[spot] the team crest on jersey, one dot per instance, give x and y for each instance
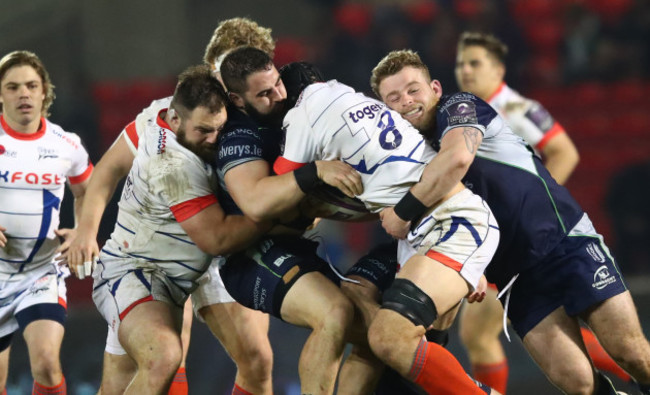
(603, 278)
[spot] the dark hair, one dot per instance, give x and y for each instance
(296, 77)
(26, 58)
(240, 63)
(197, 87)
(491, 43)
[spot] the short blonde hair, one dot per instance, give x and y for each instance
(26, 58)
(237, 32)
(394, 62)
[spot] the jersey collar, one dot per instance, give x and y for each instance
(23, 136)
(499, 89)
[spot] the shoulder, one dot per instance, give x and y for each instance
(57, 135)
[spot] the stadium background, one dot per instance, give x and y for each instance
(587, 61)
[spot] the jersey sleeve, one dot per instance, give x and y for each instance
(239, 146)
(464, 109)
(183, 182)
(300, 146)
(532, 122)
(130, 134)
(81, 168)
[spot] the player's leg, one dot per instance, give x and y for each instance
(150, 334)
(117, 372)
(616, 325)
(316, 302)
(399, 341)
(41, 314)
(599, 356)
(480, 325)
(243, 332)
(179, 383)
(43, 338)
(5, 350)
(244, 335)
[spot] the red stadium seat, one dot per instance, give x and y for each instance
(353, 18)
(423, 11)
(289, 49)
(628, 92)
(524, 10)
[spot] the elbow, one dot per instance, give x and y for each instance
(462, 161)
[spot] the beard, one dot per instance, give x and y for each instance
(206, 152)
(272, 119)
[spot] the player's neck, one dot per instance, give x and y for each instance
(494, 91)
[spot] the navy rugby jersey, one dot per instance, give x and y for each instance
(242, 140)
(534, 212)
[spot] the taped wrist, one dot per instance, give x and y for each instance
(306, 177)
(410, 208)
(410, 301)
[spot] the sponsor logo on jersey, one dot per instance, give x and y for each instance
(162, 141)
(595, 253)
(239, 150)
(278, 262)
(7, 153)
(47, 153)
(259, 295)
(364, 110)
(540, 117)
(603, 278)
(65, 138)
(31, 178)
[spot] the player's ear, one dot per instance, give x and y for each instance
(237, 100)
(436, 87)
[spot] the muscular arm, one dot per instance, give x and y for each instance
(262, 196)
(216, 233)
(560, 157)
(258, 194)
(442, 175)
(112, 167)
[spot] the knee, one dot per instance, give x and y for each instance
(45, 364)
(383, 339)
(256, 359)
(338, 317)
(579, 380)
(162, 363)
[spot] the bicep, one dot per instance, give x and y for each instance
(117, 161)
(195, 226)
(242, 180)
(464, 140)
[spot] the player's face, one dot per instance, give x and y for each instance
(199, 131)
(264, 99)
(410, 93)
(478, 72)
(22, 94)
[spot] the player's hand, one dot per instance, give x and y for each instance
(394, 225)
(80, 253)
(3, 238)
(340, 175)
(479, 293)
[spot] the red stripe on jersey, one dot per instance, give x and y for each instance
(492, 286)
(22, 136)
(63, 303)
(555, 130)
(83, 176)
(132, 134)
(445, 260)
(496, 92)
(185, 210)
(283, 165)
(160, 119)
(137, 302)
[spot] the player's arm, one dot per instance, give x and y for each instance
(216, 233)
(261, 196)
(3, 238)
(112, 167)
(440, 177)
(560, 157)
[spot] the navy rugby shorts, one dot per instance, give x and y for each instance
(578, 274)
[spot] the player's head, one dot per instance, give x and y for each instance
(254, 84)
(198, 110)
(403, 82)
(296, 76)
(480, 63)
(26, 92)
(233, 33)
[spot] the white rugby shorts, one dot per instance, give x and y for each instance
(26, 290)
(211, 289)
(461, 233)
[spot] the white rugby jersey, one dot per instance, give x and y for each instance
(167, 184)
(33, 171)
(332, 121)
(527, 118)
